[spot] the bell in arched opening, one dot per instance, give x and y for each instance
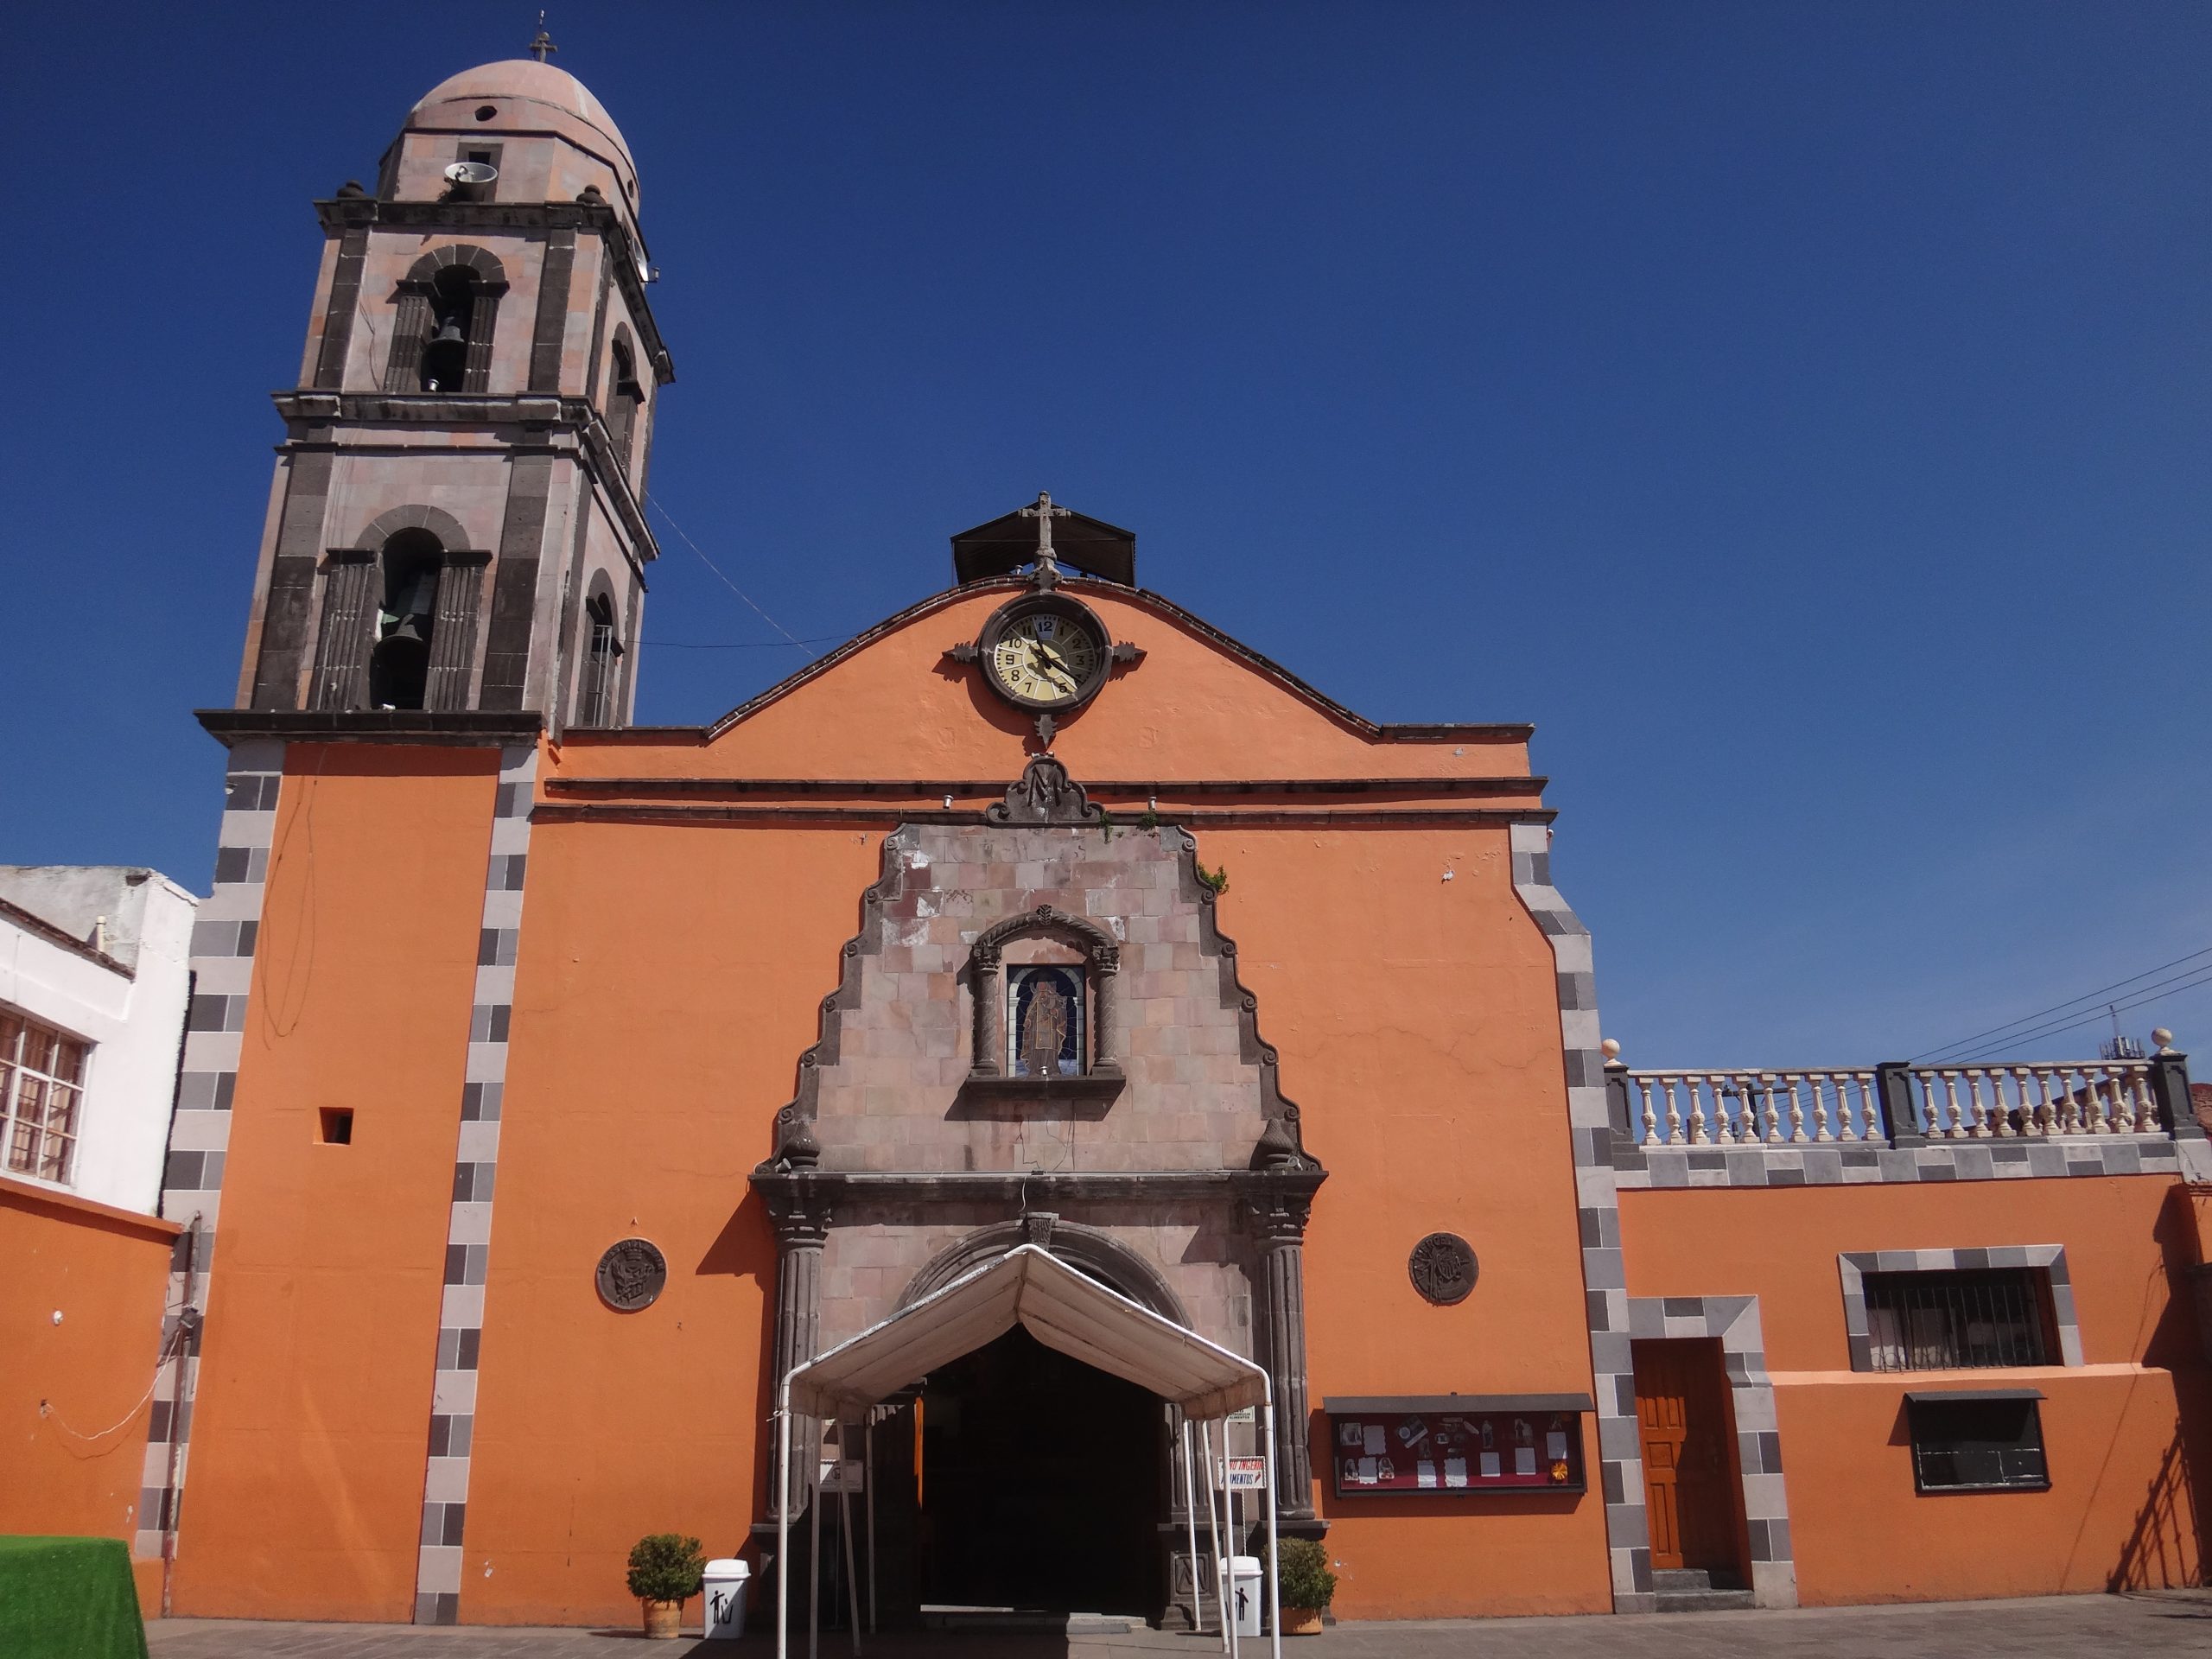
(399, 666)
(445, 353)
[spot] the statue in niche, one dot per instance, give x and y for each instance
(1047, 1024)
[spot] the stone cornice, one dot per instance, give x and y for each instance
(807, 1188)
(546, 410)
(470, 728)
(353, 213)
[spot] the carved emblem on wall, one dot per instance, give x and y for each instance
(632, 1272)
(1443, 1268)
(1044, 794)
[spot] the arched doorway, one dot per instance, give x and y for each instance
(1039, 1484)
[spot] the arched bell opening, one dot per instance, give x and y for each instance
(399, 664)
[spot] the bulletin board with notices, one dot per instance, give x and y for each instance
(1460, 1443)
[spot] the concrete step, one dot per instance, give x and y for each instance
(1704, 1601)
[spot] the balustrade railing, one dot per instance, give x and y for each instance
(1810, 1106)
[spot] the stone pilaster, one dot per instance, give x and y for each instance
(802, 1220)
(1279, 1219)
(983, 981)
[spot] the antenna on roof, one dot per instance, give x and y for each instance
(541, 45)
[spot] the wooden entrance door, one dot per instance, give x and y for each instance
(1682, 1405)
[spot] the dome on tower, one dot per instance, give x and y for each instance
(519, 94)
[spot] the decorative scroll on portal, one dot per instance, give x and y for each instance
(632, 1272)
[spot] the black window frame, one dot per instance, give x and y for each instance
(1935, 1442)
(2020, 1295)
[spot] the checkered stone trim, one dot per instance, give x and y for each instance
(1620, 1451)
(224, 938)
(468, 1232)
(1735, 1321)
(1853, 1267)
(1844, 1165)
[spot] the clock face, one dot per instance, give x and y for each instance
(1047, 658)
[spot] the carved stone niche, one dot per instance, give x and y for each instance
(1050, 937)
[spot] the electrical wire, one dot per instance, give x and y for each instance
(2102, 991)
(654, 501)
(2159, 993)
(737, 645)
(169, 1350)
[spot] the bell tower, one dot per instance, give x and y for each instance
(457, 524)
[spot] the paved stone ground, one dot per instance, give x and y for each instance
(2060, 1627)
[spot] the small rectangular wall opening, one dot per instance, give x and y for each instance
(336, 1125)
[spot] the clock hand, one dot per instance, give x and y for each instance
(1047, 670)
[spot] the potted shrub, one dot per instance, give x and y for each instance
(1304, 1583)
(666, 1570)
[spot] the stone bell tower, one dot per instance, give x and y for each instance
(458, 518)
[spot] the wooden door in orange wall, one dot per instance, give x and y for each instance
(1681, 1407)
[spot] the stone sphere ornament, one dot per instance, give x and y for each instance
(1443, 1268)
(632, 1272)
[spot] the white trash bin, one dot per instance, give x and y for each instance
(1245, 1594)
(725, 1595)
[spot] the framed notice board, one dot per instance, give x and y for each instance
(1456, 1445)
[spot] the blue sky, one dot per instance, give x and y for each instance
(1800, 413)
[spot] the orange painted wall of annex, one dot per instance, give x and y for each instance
(2121, 1511)
(305, 1491)
(105, 1271)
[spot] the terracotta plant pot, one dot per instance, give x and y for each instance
(663, 1619)
(1301, 1621)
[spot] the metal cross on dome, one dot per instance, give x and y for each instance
(541, 45)
(1048, 563)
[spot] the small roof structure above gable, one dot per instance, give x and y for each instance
(1082, 542)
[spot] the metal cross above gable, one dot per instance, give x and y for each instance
(1048, 563)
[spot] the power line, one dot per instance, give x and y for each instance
(654, 501)
(2059, 1007)
(737, 644)
(2187, 982)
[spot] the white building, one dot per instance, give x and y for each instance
(94, 980)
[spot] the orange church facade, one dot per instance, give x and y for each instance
(556, 1082)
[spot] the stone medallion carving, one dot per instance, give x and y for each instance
(632, 1272)
(1443, 1268)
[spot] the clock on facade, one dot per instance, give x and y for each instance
(1044, 652)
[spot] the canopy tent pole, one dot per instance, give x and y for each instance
(1191, 1516)
(784, 1519)
(1225, 1565)
(845, 1531)
(868, 1478)
(1274, 1574)
(814, 1560)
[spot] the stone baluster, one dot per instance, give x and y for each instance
(1957, 1128)
(1849, 1131)
(1767, 1081)
(1650, 1118)
(1814, 1080)
(1697, 1136)
(1725, 1115)
(1278, 1217)
(2035, 1110)
(2123, 1099)
(2100, 1121)
(1674, 1115)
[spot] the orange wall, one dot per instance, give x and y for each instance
(305, 1489)
(2120, 1509)
(1418, 1023)
(669, 980)
(106, 1272)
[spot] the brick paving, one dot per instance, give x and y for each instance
(2059, 1627)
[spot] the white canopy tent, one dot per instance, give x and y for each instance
(1063, 1309)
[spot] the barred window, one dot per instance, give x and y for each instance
(42, 1092)
(1945, 1321)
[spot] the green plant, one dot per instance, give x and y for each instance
(1217, 880)
(1303, 1579)
(1106, 823)
(1149, 818)
(666, 1567)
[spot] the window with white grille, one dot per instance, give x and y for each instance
(41, 1094)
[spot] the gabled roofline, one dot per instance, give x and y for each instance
(1442, 731)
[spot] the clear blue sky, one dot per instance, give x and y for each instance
(1800, 412)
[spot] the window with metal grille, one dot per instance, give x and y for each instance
(1943, 1321)
(1977, 1442)
(42, 1094)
